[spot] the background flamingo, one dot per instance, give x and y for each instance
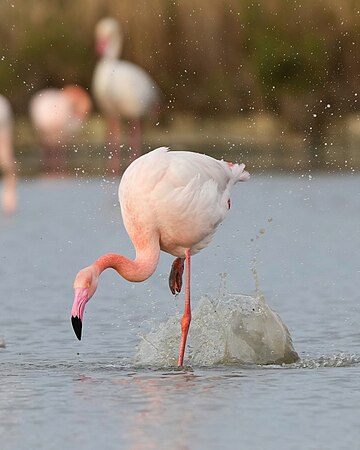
(56, 115)
(121, 89)
(7, 163)
(170, 201)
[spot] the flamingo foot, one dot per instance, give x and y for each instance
(175, 277)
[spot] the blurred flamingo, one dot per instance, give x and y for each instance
(7, 163)
(170, 201)
(57, 114)
(121, 89)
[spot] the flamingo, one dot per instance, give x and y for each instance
(7, 163)
(56, 115)
(121, 89)
(171, 201)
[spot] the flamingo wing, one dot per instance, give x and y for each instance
(183, 195)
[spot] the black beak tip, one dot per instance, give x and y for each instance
(77, 326)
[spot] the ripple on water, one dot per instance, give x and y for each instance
(338, 360)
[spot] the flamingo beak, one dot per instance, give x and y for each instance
(77, 326)
(81, 297)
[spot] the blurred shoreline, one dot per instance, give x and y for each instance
(263, 142)
(272, 83)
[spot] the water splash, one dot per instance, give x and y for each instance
(225, 329)
(338, 360)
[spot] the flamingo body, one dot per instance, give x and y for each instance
(180, 196)
(123, 89)
(6, 117)
(7, 163)
(57, 114)
(171, 201)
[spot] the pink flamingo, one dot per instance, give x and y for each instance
(121, 89)
(7, 163)
(56, 115)
(171, 201)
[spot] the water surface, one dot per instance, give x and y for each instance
(59, 393)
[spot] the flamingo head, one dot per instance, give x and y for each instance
(85, 285)
(108, 38)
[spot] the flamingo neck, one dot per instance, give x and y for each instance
(139, 269)
(113, 50)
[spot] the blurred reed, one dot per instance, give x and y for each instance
(298, 60)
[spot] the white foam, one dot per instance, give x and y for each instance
(225, 329)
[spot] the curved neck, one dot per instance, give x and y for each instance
(113, 48)
(139, 269)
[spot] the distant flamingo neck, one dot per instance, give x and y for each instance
(132, 270)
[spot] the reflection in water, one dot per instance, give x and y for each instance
(118, 406)
(160, 410)
(152, 402)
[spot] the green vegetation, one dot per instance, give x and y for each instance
(296, 59)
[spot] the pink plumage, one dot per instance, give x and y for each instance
(7, 163)
(58, 114)
(183, 194)
(171, 201)
(122, 90)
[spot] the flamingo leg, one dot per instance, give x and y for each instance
(186, 319)
(54, 159)
(9, 193)
(114, 131)
(135, 139)
(175, 277)
(7, 166)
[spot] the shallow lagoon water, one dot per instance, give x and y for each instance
(59, 393)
